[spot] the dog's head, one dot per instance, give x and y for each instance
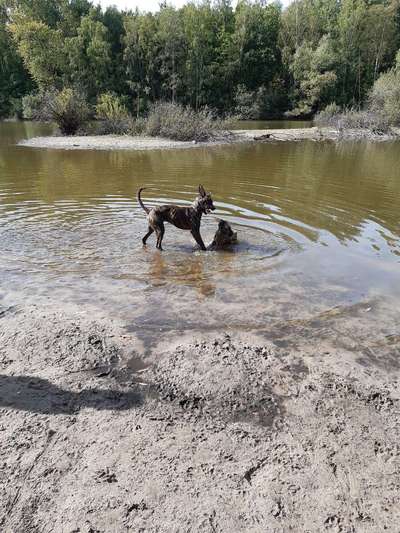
(204, 201)
(224, 235)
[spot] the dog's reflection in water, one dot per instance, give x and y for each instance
(188, 271)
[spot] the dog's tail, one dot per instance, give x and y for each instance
(146, 209)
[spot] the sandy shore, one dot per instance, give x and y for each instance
(214, 436)
(124, 142)
(105, 142)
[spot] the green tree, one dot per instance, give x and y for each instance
(72, 12)
(384, 98)
(256, 59)
(47, 11)
(172, 51)
(365, 39)
(113, 20)
(256, 41)
(42, 51)
(90, 56)
(208, 73)
(142, 58)
(14, 79)
(314, 75)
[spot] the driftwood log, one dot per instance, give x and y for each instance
(262, 137)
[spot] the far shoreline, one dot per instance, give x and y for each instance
(125, 142)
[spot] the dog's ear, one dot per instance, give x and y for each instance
(202, 191)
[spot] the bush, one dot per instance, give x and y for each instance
(31, 106)
(384, 99)
(113, 114)
(15, 110)
(67, 108)
(180, 123)
(352, 119)
(137, 126)
(260, 104)
(382, 110)
(70, 110)
(328, 116)
(247, 104)
(364, 119)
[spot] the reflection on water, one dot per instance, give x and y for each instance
(318, 227)
(187, 271)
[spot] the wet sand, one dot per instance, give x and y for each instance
(124, 142)
(216, 435)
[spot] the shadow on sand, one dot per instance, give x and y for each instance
(37, 395)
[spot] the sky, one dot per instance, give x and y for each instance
(147, 5)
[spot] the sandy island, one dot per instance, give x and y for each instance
(125, 142)
(216, 435)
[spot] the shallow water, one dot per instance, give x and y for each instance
(318, 227)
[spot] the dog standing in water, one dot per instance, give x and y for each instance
(187, 218)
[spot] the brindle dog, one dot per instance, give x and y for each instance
(224, 236)
(188, 218)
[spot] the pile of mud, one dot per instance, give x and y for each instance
(221, 378)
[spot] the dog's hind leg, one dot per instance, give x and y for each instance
(151, 230)
(160, 230)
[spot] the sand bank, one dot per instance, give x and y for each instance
(125, 142)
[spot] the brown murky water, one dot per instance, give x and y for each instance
(318, 227)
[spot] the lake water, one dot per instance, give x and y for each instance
(318, 227)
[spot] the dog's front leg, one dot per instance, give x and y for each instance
(198, 239)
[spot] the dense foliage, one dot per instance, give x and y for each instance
(256, 59)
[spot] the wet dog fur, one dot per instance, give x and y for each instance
(186, 218)
(224, 236)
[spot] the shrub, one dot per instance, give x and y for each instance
(247, 105)
(352, 119)
(113, 114)
(180, 123)
(384, 99)
(67, 108)
(364, 119)
(15, 110)
(382, 110)
(265, 102)
(31, 106)
(137, 126)
(328, 116)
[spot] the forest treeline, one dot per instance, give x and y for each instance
(256, 60)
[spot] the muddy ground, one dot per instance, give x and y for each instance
(216, 435)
